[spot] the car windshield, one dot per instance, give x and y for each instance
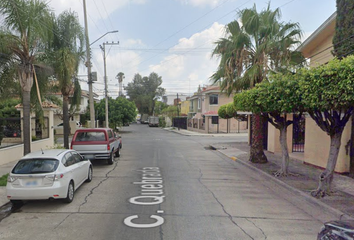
(90, 136)
(35, 166)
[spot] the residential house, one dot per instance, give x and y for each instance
(313, 144)
(84, 103)
(203, 112)
(184, 107)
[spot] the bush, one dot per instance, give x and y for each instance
(162, 122)
(3, 180)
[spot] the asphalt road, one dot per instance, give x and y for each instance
(170, 186)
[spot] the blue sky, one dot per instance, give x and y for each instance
(173, 38)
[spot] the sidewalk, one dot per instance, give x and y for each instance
(340, 203)
(191, 133)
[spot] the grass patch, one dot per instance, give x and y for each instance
(3, 180)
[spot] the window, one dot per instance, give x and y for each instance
(110, 134)
(199, 103)
(68, 160)
(213, 99)
(77, 157)
(35, 166)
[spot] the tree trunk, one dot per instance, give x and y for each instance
(26, 102)
(285, 152)
(256, 152)
(26, 81)
(325, 179)
(66, 125)
(351, 150)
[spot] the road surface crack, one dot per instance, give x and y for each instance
(103, 180)
(89, 194)
(222, 206)
(260, 229)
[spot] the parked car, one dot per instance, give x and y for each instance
(11, 132)
(337, 230)
(48, 174)
(60, 127)
(153, 121)
(97, 143)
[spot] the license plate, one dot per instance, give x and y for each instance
(89, 157)
(31, 183)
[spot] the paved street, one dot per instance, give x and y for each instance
(171, 186)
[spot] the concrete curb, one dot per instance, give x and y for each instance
(339, 214)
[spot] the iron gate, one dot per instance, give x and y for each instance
(180, 122)
(298, 133)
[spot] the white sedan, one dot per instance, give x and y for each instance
(48, 174)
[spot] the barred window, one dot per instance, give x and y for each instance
(213, 99)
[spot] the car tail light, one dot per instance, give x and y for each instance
(108, 147)
(56, 177)
(11, 179)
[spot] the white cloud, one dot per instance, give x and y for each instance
(189, 63)
(200, 3)
(95, 10)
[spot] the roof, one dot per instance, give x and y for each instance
(44, 105)
(211, 113)
(327, 28)
(53, 153)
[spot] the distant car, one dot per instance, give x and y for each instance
(60, 128)
(48, 174)
(11, 132)
(60, 125)
(337, 230)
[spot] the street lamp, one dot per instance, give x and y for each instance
(88, 65)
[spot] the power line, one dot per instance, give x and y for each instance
(182, 30)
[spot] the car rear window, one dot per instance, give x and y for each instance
(90, 136)
(35, 166)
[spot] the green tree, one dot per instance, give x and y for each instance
(170, 111)
(144, 91)
(274, 100)
(328, 97)
(65, 54)
(343, 46)
(26, 30)
(159, 107)
(259, 44)
(121, 111)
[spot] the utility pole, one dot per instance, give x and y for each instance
(177, 106)
(177, 120)
(88, 65)
(105, 78)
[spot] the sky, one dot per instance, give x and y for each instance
(173, 38)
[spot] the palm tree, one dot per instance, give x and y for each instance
(26, 29)
(67, 51)
(259, 44)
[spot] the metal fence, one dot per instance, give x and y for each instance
(11, 133)
(180, 122)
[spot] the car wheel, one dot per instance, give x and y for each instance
(16, 203)
(89, 176)
(110, 159)
(70, 195)
(118, 152)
